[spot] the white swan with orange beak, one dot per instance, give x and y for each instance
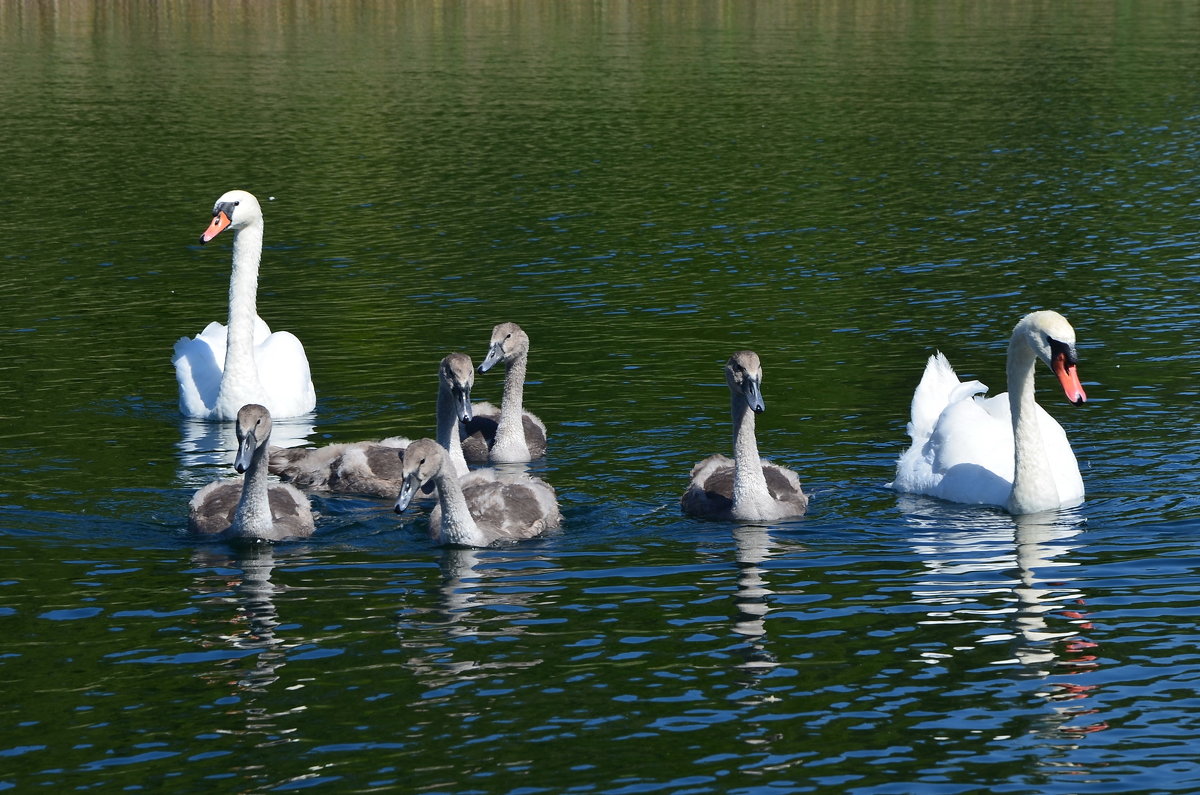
(223, 368)
(1006, 450)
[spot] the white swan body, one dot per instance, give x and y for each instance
(482, 508)
(224, 368)
(373, 468)
(250, 508)
(507, 434)
(746, 488)
(1005, 450)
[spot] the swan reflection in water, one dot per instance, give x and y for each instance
(754, 546)
(454, 643)
(1042, 617)
(247, 572)
(205, 444)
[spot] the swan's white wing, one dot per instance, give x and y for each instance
(199, 362)
(939, 387)
(283, 371)
(970, 452)
(962, 448)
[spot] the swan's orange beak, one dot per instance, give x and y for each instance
(219, 222)
(1068, 376)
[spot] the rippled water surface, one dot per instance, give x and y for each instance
(842, 186)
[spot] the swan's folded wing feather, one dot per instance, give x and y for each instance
(969, 456)
(784, 485)
(308, 468)
(198, 365)
(506, 506)
(284, 373)
(939, 387)
(710, 492)
(211, 509)
(477, 434)
(369, 468)
(535, 434)
(290, 511)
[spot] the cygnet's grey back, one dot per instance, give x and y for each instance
(508, 506)
(372, 468)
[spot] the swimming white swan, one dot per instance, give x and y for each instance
(482, 508)
(250, 508)
(509, 433)
(373, 468)
(748, 488)
(1005, 450)
(223, 368)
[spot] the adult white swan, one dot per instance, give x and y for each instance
(1005, 450)
(223, 368)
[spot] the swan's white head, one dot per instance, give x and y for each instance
(508, 342)
(235, 210)
(1051, 338)
(253, 430)
(457, 376)
(419, 463)
(743, 373)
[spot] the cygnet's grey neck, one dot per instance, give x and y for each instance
(510, 428)
(447, 430)
(457, 524)
(253, 516)
(748, 479)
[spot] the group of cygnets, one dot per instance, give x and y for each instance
(1003, 451)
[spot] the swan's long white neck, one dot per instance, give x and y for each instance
(749, 483)
(447, 430)
(1033, 486)
(240, 366)
(458, 526)
(252, 519)
(510, 428)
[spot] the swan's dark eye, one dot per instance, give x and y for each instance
(236, 203)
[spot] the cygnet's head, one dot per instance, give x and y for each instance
(508, 342)
(743, 373)
(419, 462)
(253, 431)
(235, 210)
(456, 375)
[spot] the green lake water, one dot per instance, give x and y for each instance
(843, 187)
